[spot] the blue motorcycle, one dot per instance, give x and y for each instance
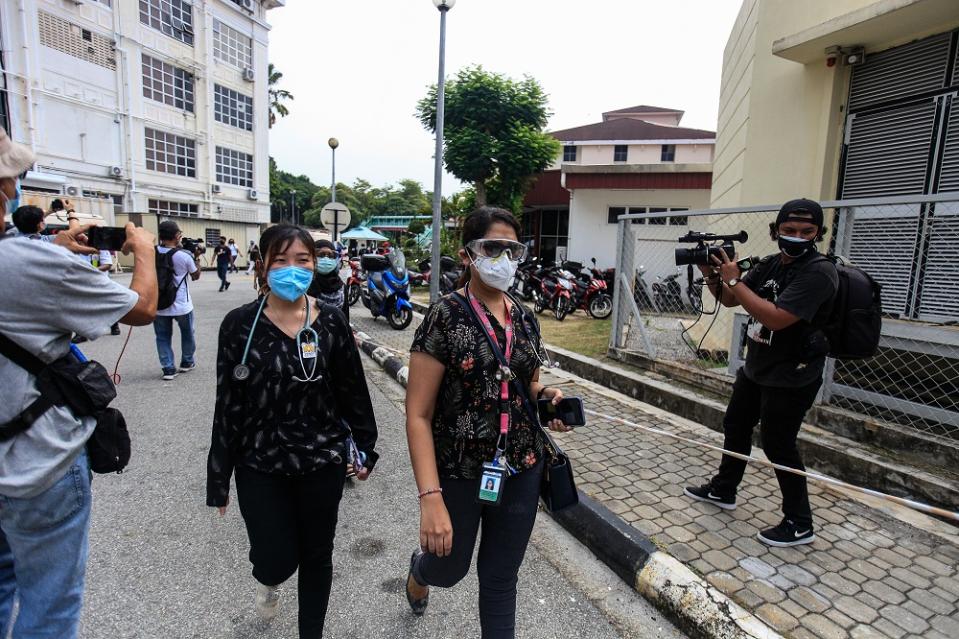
(387, 288)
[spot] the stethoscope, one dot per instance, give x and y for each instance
(241, 372)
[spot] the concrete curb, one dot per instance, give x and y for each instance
(697, 607)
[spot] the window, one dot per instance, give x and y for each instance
(668, 153)
(71, 39)
(212, 237)
(678, 220)
(167, 84)
(231, 46)
(169, 153)
(619, 153)
(661, 221)
(569, 153)
(234, 167)
(174, 209)
(612, 215)
(170, 17)
(233, 108)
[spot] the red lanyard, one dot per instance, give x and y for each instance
(505, 374)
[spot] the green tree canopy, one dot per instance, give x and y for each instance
(493, 132)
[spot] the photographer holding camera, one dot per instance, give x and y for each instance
(49, 293)
(174, 265)
(788, 296)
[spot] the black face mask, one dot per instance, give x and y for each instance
(795, 246)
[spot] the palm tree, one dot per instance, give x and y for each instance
(277, 96)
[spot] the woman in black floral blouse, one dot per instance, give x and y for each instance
(453, 423)
(283, 414)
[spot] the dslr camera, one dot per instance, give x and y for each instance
(707, 245)
(195, 246)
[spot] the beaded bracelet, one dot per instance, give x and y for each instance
(429, 491)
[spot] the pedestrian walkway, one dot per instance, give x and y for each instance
(874, 570)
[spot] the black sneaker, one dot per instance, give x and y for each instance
(787, 533)
(115, 329)
(705, 493)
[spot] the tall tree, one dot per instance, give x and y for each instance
(277, 95)
(493, 132)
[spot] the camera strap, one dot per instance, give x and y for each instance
(33, 365)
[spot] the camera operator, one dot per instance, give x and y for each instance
(48, 293)
(787, 295)
(185, 265)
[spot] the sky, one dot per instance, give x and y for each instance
(357, 68)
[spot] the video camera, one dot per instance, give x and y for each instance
(701, 253)
(195, 246)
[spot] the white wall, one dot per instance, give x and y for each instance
(590, 235)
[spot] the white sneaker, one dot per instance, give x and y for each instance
(267, 601)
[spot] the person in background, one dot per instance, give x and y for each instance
(223, 259)
(252, 257)
(234, 253)
(327, 286)
(29, 221)
(45, 496)
(185, 270)
(284, 411)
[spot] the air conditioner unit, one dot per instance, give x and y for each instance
(72, 191)
(249, 75)
(116, 171)
(215, 188)
(248, 5)
(251, 194)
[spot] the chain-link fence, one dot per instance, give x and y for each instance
(910, 245)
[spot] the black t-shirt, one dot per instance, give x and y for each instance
(794, 356)
(223, 254)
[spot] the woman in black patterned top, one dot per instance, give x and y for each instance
(284, 438)
(455, 428)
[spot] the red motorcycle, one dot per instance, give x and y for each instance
(589, 292)
(555, 292)
(354, 284)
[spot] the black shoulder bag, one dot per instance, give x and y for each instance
(86, 389)
(558, 486)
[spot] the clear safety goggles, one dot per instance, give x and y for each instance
(494, 248)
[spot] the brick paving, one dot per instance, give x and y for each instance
(867, 575)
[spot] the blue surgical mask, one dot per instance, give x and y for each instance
(290, 283)
(325, 265)
(14, 204)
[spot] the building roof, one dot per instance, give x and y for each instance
(629, 129)
(642, 108)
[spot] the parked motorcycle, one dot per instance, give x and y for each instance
(641, 291)
(589, 293)
(450, 271)
(555, 292)
(668, 295)
(525, 282)
(354, 284)
(387, 287)
(608, 275)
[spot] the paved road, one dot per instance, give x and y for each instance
(164, 565)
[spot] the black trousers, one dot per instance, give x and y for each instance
(506, 531)
(291, 522)
(779, 412)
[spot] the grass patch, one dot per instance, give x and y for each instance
(579, 333)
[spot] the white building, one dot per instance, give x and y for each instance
(149, 106)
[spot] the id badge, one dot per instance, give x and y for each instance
(308, 350)
(491, 485)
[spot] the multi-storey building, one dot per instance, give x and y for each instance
(147, 106)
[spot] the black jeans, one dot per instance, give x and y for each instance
(780, 412)
(222, 270)
(291, 522)
(506, 531)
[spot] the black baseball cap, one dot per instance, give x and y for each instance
(801, 206)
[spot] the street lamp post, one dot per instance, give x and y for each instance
(293, 206)
(435, 267)
(333, 142)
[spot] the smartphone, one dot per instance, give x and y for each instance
(107, 238)
(569, 409)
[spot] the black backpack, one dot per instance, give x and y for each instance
(166, 278)
(855, 321)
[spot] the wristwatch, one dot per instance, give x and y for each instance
(733, 282)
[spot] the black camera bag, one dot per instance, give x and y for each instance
(855, 323)
(87, 390)
(166, 279)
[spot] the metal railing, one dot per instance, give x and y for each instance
(907, 244)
